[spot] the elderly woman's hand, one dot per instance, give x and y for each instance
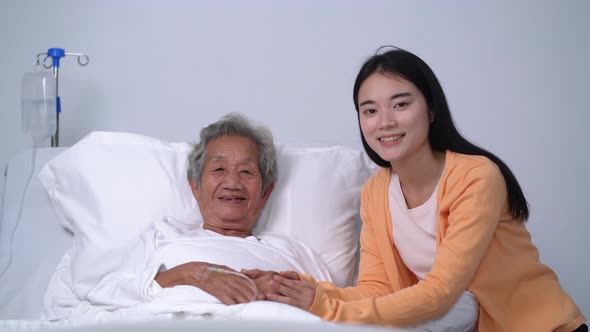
(263, 280)
(227, 285)
(298, 293)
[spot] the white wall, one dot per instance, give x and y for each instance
(515, 74)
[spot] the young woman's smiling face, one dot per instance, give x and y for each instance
(394, 117)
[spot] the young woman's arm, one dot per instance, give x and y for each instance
(473, 200)
(372, 279)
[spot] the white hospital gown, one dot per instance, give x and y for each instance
(170, 243)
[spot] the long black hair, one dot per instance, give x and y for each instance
(442, 134)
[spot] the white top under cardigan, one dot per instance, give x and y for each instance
(414, 236)
(414, 233)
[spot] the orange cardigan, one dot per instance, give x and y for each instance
(479, 248)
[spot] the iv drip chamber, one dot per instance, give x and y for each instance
(38, 102)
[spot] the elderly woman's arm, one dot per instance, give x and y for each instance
(227, 285)
(140, 277)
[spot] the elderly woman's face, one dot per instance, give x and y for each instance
(230, 197)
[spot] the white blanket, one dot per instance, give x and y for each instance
(129, 293)
(170, 304)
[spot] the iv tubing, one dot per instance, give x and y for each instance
(36, 145)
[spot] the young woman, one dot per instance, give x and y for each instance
(442, 219)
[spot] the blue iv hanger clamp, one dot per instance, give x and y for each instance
(51, 59)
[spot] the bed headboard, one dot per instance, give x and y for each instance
(29, 249)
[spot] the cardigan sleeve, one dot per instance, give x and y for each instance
(472, 201)
(372, 280)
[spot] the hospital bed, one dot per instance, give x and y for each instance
(86, 186)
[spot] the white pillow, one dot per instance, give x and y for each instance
(109, 187)
(316, 200)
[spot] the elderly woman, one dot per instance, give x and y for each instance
(232, 173)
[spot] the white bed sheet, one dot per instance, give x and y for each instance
(188, 325)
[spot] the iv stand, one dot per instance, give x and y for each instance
(56, 54)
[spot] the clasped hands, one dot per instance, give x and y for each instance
(233, 287)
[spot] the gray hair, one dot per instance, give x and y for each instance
(235, 124)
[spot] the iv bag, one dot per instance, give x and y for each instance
(38, 95)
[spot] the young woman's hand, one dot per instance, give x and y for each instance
(263, 280)
(298, 293)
